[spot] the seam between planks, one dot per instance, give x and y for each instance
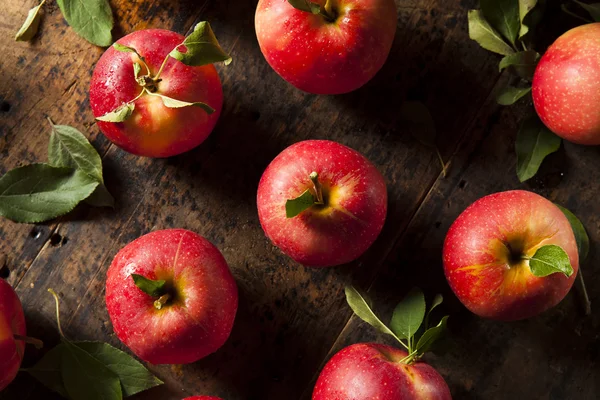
(401, 234)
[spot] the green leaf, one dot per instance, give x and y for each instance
(48, 370)
(593, 9)
(70, 148)
(581, 236)
(431, 335)
(31, 24)
(134, 377)
(148, 286)
(525, 6)
(510, 95)
(437, 300)
(408, 314)
(125, 49)
(293, 207)
(360, 307)
(522, 63)
(91, 19)
(550, 259)
(119, 114)
(86, 378)
(40, 192)
(481, 32)
(202, 48)
(137, 68)
(534, 142)
(306, 5)
(420, 122)
(174, 103)
(503, 16)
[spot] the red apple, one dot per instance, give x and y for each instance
(368, 371)
(566, 86)
(154, 130)
(354, 203)
(335, 51)
(12, 322)
(193, 314)
(486, 255)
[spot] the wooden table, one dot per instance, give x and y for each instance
(291, 319)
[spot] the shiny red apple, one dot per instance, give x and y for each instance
(566, 86)
(487, 250)
(155, 130)
(335, 51)
(191, 317)
(368, 371)
(348, 219)
(12, 322)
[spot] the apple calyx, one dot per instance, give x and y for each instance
(327, 11)
(307, 199)
(29, 340)
(409, 324)
(201, 48)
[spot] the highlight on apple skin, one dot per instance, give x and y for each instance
(153, 129)
(192, 312)
(336, 50)
(340, 226)
(487, 254)
(566, 86)
(12, 322)
(367, 371)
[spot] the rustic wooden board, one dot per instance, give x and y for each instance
(290, 316)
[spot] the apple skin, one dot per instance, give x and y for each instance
(329, 236)
(197, 322)
(12, 322)
(477, 260)
(367, 371)
(154, 130)
(566, 86)
(320, 57)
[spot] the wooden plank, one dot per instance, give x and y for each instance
(289, 315)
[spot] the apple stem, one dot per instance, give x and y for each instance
(162, 67)
(36, 342)
(314, 177)
(586, 298)
(328, 12)
(162, 300)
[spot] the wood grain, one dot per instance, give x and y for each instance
(290, 316)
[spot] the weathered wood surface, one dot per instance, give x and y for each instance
(292, 318)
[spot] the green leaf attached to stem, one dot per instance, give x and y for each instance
(522, 63)
(481, 32)
(150, 287)
(91, 19)
(174, 103)
(306, 5)
(431, 335)
(534, 142)
(120, 114)
(360, 307)
(437, 300)
(525, 7)
(31, 24)
(408, 314)
(201, 48)
(510, 95)
(294, 207)
(550, 259)
(503, 16)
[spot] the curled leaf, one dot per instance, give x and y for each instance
(174, 103)
(31, 24)
(294, 207)
(306, 5)
(525, 7)
(119, 114)
(431, 335)
(201, 48)
(150, 287)
(534, 142)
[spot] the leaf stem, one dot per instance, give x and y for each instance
(586, 298)
(30, 340)
(56, 300)
(409, 357)
(314, 177)
(164, 63)
(328, 12)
